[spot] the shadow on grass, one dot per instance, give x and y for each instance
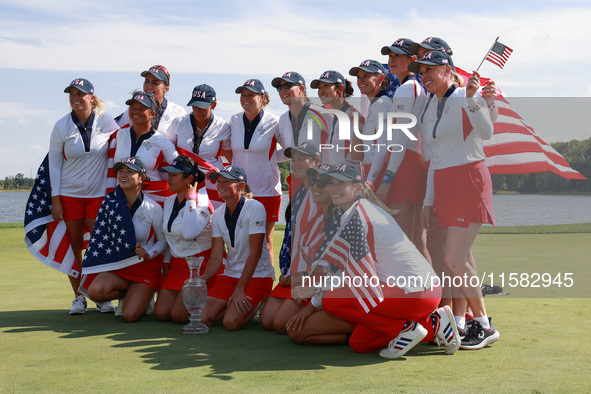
(167, 348)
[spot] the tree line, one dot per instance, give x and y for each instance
(577, 154)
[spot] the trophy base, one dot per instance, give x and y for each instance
(193, 328)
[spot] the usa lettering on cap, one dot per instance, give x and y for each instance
(249, 82)
(427, 56)
(287, 75)
(428, 40)
(365, 63)
(325, 75)
(199, 94)
(398, 43)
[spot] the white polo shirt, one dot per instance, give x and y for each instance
(171, 112)
(252, 220)
(147, 217)
(190, 232)
(376, 117)
(73, 171)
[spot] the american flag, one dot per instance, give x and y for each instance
(46, 238)
(112, 244)
(515, 148)
(499, 54)
(351, 251)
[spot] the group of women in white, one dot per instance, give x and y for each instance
(197, 185)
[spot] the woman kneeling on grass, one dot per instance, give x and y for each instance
(188, 233)
(134, 279)
(395, 315)
(238, 226)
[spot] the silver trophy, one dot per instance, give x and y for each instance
(194, 297)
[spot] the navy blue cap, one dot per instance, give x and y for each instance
(329, 76)
(254, 85)
(290, 77)
(229, 172)
(306, 148)
(348, 171)
(432, 44)
(203, 96)
(144, 98)
(159, 72)
(82, 85)
(178, 166)
(322, 170)
(433, 58)
(400, 47)
(370, 66)
(135, 163)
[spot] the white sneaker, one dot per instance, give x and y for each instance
(105, 307)
(78, 305)
(445, 329)
(119, 310)
(411, 334)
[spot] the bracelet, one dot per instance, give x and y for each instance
(192, 195)
(474, 108)
(390, 173)
(387, 180)
(203, 278)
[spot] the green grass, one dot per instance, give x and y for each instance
(543, 346)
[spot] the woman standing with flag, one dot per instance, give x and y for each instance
(143, 141)
(78, 165)
(458, 184)
(388, 290)
(126, 244)
(188, 233)
(254, 135)
(200, 134)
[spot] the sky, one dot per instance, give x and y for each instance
(45, 44)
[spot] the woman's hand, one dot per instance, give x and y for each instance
(192, 188)
(490, 92)
(285, 281)
(383, 191)
(427, 216)
(141, 252)
(241, 302)
(297, 321)
(57, 210)
(473, 84)
(300, 293)
(165, 269)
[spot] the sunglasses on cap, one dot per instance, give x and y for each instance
(285, 86)
(317, 182)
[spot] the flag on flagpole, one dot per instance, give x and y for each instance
(112, 244)
(499, 54)
(46, 238)
(515, 148)
(351, 251)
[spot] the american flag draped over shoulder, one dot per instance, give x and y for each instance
(112, 244)
(46, 238)
(351, 249)
(515, 148)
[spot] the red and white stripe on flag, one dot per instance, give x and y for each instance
(515, 148)
(499, 54)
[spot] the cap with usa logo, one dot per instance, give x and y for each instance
(229, 172)
(144, 98)
(306, 148)
(82, 85)
(370, 66)
(433, 58)
(330, 76)
(432, 44)
(289, 77)
(254, 85)
(203, 96)
(400, 47)
(348, 171)
(133, 163)
(159, 72)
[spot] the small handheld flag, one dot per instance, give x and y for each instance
(497, 54)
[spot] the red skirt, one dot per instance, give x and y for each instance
(463, 195)
(146, 272)
(410, 181)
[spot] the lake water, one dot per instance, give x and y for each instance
(510, 209)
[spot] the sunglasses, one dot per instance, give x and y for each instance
(285, 86)
(317, 182)
(197, 143)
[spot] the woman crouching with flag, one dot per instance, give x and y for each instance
(126, 243)
(188, 233)
(388, 292)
